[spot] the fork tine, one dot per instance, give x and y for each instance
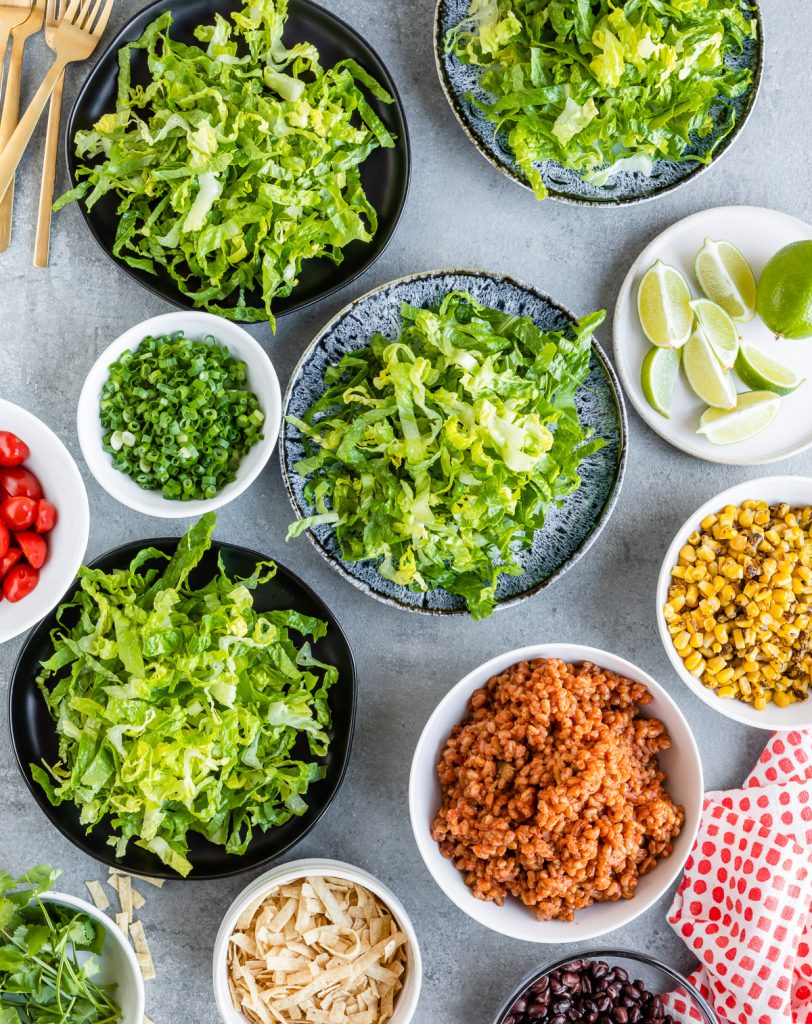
(71, 14)
(103, 18)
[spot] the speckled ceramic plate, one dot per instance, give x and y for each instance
(569, 530)
(563, 184)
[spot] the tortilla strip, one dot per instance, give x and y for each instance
(142, 953)
(98, 895)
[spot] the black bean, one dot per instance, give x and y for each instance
(519, 1006)
(538, 1008)
(558, 1019)
(562, 1006)
(571, 979)
(622, 1015)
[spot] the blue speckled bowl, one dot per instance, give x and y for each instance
(569, 530)
(563, 184)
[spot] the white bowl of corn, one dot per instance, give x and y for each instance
(734, 603)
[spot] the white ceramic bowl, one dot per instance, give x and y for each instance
(795, 490)
(684, 783)
(117, 962)
(262, 380)
(62, 485)
(407, 999)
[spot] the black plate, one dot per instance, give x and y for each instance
(33, 735)
(385, 174)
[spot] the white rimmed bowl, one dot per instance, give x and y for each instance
(407, 998)
(53, 465)
(681, 763)
(117, 962)
(795, 490)
(262, 380)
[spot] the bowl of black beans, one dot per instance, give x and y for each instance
(605, 987)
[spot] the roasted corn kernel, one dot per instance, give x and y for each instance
(739, 603)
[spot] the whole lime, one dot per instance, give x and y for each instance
(784, 297)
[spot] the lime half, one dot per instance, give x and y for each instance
(755, 412)
(659, 378)
(706, 375)
(761, 373)
(719, 330)
(726, 278)
(664, 306)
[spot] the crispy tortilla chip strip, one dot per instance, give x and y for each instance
(98, 895)
(142, 953)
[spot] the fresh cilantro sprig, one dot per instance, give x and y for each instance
(48, 957)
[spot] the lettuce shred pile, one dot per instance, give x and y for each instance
(238, 161)
(437, 455)
(178, 709)
(601, 87)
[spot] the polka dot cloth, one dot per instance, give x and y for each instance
(744, 907)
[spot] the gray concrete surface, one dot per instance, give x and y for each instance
(460, 212)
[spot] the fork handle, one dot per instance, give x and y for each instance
(12, 153)
(46, 195)
(11, 112)
(4, 38)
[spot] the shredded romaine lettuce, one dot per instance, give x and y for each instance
(238, 161)
(601, 87)
(178, 709)
(437, 455)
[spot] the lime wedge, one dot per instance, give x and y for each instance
(664, 306)
(659, 378)
(726, 278)
(706, 375)
(761, 373)
(756, 411)
(719, 330)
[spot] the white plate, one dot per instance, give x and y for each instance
(681, 762)
(759, 234)
(53, 465)
(262, 380)
(797, 492)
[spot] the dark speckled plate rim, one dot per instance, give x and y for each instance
(724, 147)
(180, 302)
(568, 563)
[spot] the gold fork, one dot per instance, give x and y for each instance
(11, 104)
(77, 37)
(12, 14)
(42, 244)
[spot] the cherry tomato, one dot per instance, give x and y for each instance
(20, 483)
(13, 451)
(33, 547)
(18, 513)
(9, 559)
(46, 516)
(20, 581)
(5, 540)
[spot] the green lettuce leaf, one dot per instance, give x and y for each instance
(183, 709)
(237, 162)
(438, 454)
(600, 87)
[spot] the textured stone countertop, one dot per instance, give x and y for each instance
(460, 212)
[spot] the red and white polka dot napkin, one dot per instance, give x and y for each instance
(745, 903)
